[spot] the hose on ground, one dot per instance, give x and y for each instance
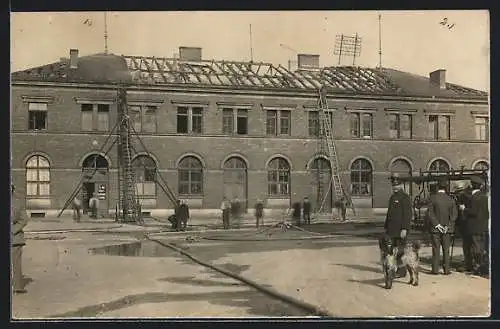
(309, 308)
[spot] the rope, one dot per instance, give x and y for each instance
(309, 308)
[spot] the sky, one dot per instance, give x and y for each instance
(412, 41)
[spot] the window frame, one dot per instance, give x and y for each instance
(36, 109)
(97, 111)
(360, 172)
(189, 169)
(314, 122)
(142, 180)
(37, 182)
(190, 119)
(141, 113)
(231, 123)
(399, 130)
(278, 119)
(485, 125)
(436, 134)
(278, 177)
(357, 128)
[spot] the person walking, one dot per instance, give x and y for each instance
(18, 222)
(478, 216)
(226, 208)
(259, 212)
(442, 215)
(306, 211)
(398, 220)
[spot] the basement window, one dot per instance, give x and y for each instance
(37, 117)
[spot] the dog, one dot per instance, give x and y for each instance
(394, 257)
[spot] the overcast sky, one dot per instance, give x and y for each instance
(412, 41)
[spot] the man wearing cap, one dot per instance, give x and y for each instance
(463, 198)
(442, 215)
(398, 219)
(477, 215)
(18, 223)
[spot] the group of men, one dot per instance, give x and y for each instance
(92, 208)
(467, 214)
(181, 216)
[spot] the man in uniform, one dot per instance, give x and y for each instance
(306, 211)
(477, 216)
(398, 219)
(463, 196)
(18, 223)
(442, 215)
(184, 215)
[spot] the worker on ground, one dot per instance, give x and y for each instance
(296, 213)
(77, 207)
(184, 215)
(18, 222)
(478, 215)
(259, 212)
(341, 206)
(463, 195)
(93, 205)
(442, 213)
(398, 219)
(177, 216)
(306, 211)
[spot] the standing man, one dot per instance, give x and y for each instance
(94, 205)
(442, 214)
(226, 208)
(398, 219)
(477, 216)
(177, 216)
(77, 207)
(306, 211)
(342, 207)
(184, 214)
(463, 198)
(259, 212)
(18, 223)
(296, 212)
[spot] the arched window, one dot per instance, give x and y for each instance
(402, 168)
(482, 165)
(235, 178)
(37, 177)
(95, 161)
(278, 178)
(439, 165)
(361, 178)
(145, 176)
(190, 176)
(321, 193)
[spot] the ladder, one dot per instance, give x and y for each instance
(325, 133)
(127, 196)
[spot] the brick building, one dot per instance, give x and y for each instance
(240, 129)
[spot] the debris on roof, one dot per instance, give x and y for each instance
(245, 75)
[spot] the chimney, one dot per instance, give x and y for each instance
(438, 78)
(307, 61)
(191, 54)
(73, 58)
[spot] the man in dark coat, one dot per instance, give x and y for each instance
(306, 211)
(463, 195)
(184, 215)
(442, 215)
(18, 222)
(259, 212)
(177, 215)
(398, 219)
(478, 216)
(296, 210)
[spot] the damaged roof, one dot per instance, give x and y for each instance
(106, 68)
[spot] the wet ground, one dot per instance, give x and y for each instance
(115, 275)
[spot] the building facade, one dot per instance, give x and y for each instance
(240, 130)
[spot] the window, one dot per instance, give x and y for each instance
(361, 178)
(145, 175)
(361, 125)
(439, 127)
(190, 176)
(189, 120)
(314, 122)
(482, 128)
(482, 165)
(278, 178)
(143, 118)
(99, 121)
(278, 122)
(37, 177)
(400, 126)
(37, 116)
(439, 165)
(234, 121)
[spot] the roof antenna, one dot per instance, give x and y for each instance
(251, 47)
(379, 41)
(105, 33)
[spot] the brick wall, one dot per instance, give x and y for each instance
(66, 146)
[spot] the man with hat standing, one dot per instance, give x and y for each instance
(477, 215)
(442, 214)
(18, 223)
(463, 197)
(398, 219)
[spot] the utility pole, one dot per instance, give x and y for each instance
(105, 33)
(251, 45)
(379, 41)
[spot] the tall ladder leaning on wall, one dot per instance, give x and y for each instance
(325, 138)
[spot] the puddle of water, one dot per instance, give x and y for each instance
(135, 249)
